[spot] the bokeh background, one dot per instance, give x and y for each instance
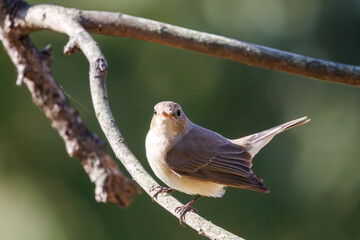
(313, 171)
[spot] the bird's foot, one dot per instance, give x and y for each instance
(162, 190)
(184, 209)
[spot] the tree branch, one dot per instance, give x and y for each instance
(62, 20)
(34, 70)
(117, 24)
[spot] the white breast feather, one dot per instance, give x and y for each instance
(156, 145)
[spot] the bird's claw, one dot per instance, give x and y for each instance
(182, 210)
(162, 190)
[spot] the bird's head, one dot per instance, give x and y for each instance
(169, 119)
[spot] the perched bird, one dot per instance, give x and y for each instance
(198, 161)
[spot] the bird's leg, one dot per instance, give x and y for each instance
(186, 208)
(162, 190)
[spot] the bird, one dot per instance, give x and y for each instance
(197, 161)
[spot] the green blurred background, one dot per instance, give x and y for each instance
(312, 171)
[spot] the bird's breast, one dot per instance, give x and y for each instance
(157, 147)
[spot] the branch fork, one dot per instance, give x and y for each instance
(33, 68)
(19, 19)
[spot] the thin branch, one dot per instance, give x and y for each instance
(117, 24)
(34, 70)
(62, 20)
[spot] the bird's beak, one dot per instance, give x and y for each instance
(164, 114)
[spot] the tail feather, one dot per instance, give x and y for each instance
(253, 143)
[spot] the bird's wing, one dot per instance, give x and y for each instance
(206, 155)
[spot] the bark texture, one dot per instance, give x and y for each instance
(33, 68)
(18, 19)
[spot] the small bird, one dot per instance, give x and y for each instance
(198, 161)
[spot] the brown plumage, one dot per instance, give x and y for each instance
(195, 160)
(205, 155)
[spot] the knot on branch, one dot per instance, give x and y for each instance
(47, 55)
(21, 68)
(110, 184)
(71, 47)
(8, 12)
(101, 65)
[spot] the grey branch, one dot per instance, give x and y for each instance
(34, 70)
(117, 24)
(63, 20)
(74, 23)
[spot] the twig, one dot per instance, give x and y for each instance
(62, 20)
(117, 24)
(34, 70)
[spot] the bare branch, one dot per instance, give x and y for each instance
(62, 20)
(117, 24)
(51, 16)
(73, 23)
(34, 70)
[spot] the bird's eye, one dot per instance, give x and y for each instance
(155, 112)
(178, 113)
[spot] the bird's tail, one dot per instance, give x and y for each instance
(253, 143)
